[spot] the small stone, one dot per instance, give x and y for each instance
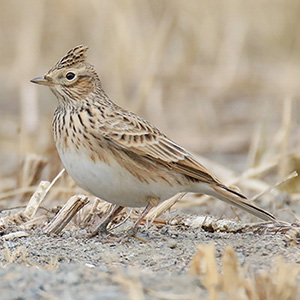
(172, 244)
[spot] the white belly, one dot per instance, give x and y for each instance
(114, 183)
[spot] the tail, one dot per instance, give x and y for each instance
(234, 198)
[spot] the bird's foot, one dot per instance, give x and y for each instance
(101, 230)
(132, 233)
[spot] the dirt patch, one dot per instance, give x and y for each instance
(72, 266)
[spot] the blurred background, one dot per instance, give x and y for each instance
(219, 77)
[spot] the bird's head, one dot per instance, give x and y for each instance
(72, 79)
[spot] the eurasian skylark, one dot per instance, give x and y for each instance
(116, 155)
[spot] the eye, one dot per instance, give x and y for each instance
(70, 75)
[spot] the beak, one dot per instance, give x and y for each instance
(41, 80)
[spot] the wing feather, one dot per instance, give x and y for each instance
(137, 135)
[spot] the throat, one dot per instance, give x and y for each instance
(64, 130)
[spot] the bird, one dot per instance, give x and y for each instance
(118, 156)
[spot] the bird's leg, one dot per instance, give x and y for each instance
(110, 215)
(141, 217)
(132, 231)
(116, 210)
(152, 201)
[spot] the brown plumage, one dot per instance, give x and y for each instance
(115, 154)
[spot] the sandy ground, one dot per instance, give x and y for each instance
(72, 266)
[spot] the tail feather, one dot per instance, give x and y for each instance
(234, 198)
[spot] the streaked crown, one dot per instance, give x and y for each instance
(73, 57)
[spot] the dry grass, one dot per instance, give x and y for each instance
(236, 282)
